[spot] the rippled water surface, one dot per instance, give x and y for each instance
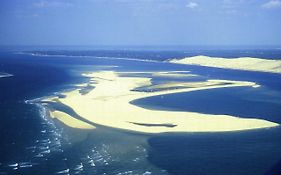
(33, 143)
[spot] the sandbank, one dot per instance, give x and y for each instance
(243, 63)
(173, 74)
(70, 121)
(108, 104)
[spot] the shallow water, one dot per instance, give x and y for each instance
(32, 143)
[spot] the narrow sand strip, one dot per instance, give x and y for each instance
(243, 63)
(108, 104)
(70, 121)
(172, 74)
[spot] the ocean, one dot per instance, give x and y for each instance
(33, 143)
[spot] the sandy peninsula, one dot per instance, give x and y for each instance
(70, 121)
(108, 104)
(243, 63)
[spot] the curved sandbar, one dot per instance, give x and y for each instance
(173, 74)
(243, 63)
(108, 104)
(70, 121)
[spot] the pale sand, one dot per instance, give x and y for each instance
(109, 105)
(172, 74)
(199, 84)
(70, 121)
(244, 63)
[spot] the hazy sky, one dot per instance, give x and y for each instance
(140, 22)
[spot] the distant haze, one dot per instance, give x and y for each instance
(140, 22)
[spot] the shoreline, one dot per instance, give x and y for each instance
(108, 104)
(241, 63)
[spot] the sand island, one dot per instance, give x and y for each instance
(243, 63)
(108, 104)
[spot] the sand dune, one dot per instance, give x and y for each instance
(244, 63)
(108, 104)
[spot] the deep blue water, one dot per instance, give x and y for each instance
(41, 146)
(160, 55)
(221, 153)
(242, 102)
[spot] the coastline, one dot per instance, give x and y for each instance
(69, 120)
(108, 104)
(242, 63)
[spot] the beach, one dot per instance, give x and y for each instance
(140, 87)
(108, 104)
(70, 121)
(83, 114)
(243, 63)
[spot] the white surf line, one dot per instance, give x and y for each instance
(3, 75)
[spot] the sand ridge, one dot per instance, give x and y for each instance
(70, 121)
(243, 63)
(172, 74)
(108, 104)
